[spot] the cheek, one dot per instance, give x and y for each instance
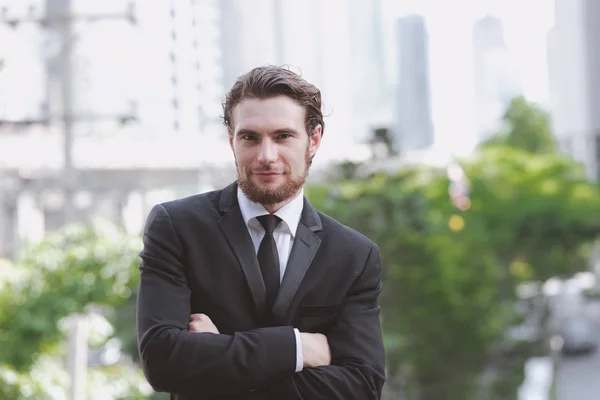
(296, 163)
(243, 157)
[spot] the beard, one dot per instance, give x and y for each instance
(277, 195)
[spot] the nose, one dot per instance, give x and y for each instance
(268, 151)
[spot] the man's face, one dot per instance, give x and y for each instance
(271, 147)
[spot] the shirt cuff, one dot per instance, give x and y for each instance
(299, 356)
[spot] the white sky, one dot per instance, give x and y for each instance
(450, 23)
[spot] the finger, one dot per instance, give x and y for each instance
(197, 317)
(205, 318)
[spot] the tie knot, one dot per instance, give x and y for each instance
(269, 222)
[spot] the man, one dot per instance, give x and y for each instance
(249, 292)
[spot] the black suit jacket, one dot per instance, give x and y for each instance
(198, 257)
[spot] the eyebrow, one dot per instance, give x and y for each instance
(280, 131)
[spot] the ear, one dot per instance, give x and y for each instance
(315, 140)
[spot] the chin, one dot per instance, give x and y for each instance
(270, 181)
(268, 185)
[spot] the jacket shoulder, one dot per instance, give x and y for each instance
(347, 235)
(195, 208)
(203, 200)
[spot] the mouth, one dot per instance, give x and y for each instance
(267, 173)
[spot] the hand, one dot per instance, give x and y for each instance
(201, 323)
(315, 349)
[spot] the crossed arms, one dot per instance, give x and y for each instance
(259, 363)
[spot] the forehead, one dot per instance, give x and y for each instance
(271, 113)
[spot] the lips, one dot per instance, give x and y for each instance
(267, 173)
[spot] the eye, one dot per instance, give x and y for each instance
(248, 137)
(284, 136)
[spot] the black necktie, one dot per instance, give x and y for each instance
(268, 258)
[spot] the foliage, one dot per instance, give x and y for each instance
(449, 288)
(348, 169)
(15, 386)
(537, 210)
(383, 135)
(125, 329)
(527, 127)
(75, 270)
(440, 304)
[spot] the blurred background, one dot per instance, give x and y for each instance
(462, 136)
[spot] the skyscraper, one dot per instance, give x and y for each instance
(576, 113)
(366, 49)
(496, 82)
(551, 61)
(367, 68)
(414, 126)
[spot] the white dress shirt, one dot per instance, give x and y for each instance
(284, 236)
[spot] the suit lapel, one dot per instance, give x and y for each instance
(306, 244)
(235, 230)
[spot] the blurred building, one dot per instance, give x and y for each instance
(144, 98)
(366, 50)
(495, 77)
(576, 113)
(21, 46)
(367, 68)
(209, 63)
(412, 112)
(164, 71)
(551, 62)
(249, 36)
(343, 59)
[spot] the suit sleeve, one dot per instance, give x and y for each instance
(174, 359)
(357, 370)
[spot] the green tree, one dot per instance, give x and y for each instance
(383, 135)
(440, 305)
(539, 211)
(527, 126)
(68, 272)
(450, 275)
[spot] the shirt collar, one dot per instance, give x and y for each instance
(290, 213)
